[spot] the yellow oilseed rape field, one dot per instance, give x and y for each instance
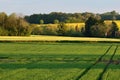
(79, 25)
(116, 21)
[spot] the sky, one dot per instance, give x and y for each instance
(28, 7)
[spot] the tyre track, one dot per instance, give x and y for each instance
(106, 67)
(87, 69)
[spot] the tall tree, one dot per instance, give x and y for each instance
(113, 15)
(89, 23)
(23, 27)
(11, 25)
(3, 18)
(98, 30)
(114, 29)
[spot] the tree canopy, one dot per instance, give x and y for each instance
(70, 17)
(13, 25)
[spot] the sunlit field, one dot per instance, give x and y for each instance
(59, 61)
(79, 25)
(42, 38)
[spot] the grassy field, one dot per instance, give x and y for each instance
(59, 61)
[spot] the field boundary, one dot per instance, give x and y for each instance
(42, 38)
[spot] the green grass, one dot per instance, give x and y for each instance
(56, 61)
(51, 48)
(40, 74)
(113, 73)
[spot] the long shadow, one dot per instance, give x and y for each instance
(53, 66)
(57, 62)
(106, 67)
(87, 69)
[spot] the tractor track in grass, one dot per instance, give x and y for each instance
(106, 67)
(87, 69)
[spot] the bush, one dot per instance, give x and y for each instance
(3, 32)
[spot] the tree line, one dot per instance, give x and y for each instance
(57, 17)
(13, 25)
(94, 27)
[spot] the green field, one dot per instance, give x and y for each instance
(59, 61)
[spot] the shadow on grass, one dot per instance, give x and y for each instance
(55, 65)
(54, 62)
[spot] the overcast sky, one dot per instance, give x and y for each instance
(28, 7)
